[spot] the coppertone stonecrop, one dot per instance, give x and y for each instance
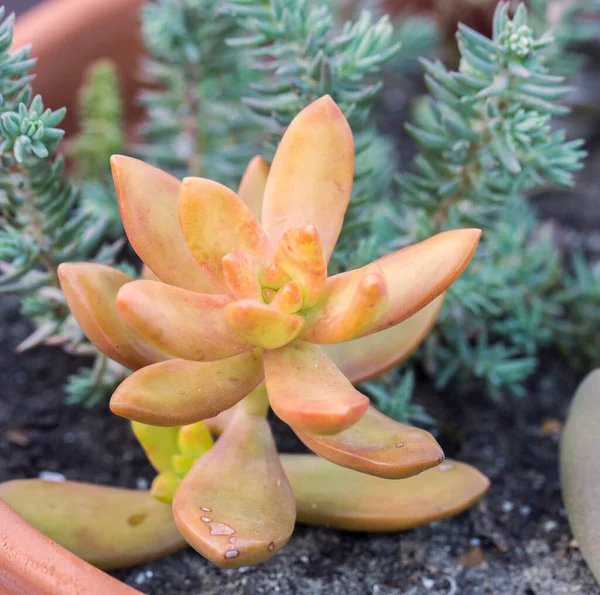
(235, 317)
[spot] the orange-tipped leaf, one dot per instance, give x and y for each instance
(235, 506)
(379, 446)
(327, 494)
(308, 392)
(310, 180)
(148, 200)
(91, 293)
(179, 322)
(180, 392)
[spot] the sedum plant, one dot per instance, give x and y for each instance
(487, 140)
(242, 317)
(580, 469)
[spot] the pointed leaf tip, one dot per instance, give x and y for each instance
(252, 186)
(148, 199)
(378, 445)
(91, 293)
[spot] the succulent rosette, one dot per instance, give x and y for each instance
(236, 315)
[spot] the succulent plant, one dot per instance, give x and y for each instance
(580, 469)
(239, 318)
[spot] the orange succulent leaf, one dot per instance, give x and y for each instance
(235, 506)
(179, 322)
(310, 180)
(300, 254)
(107, 527)
(414, 276)
(252, 186)
(351, 303)
(263, 325)
(215, 221)
(370, 356)
(180, 392)
(288, 298)
(378, 445)
(327, 494)
(159, 443)
(308, 392)
(242, 272)
(91, 290)
(148, 199)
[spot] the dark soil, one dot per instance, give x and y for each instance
(515, 542)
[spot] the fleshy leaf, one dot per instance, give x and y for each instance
(32, 563)
(91, 293)
(159, 443)
(327, 494)
(288, 298)
(235, 506)
(252, 186)
(164, 486)
(108, 527)
(379, 446)
(414, 277)
(215, 221)
(262, 324)
(311, 175)
(308, 392)
(179, 322)
(580, 469)
(180, 392)
(242, 273)
(300, 254)
(368, 357)
(351, 303)
(148, 199)
(194, 439)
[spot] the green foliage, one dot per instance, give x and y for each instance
(101, 135)
(301, 56)
(486, 139)
(572, 23)
(42, 223)
(194, 123)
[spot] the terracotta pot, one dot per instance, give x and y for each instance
(448, 13)
(68, 35)
(32, 563)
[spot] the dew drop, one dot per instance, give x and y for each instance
(232, 540)
(271, 546)
(445, 467)
(278, 482)
(205, 519)
(206, 509)
(232, 554)
(182, 392)
(400, 445)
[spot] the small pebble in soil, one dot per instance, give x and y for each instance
(141, 483)
(525, 510)
(51, 476)
(428, 583)
(550, 526)
(69, 437)
(507, 506)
